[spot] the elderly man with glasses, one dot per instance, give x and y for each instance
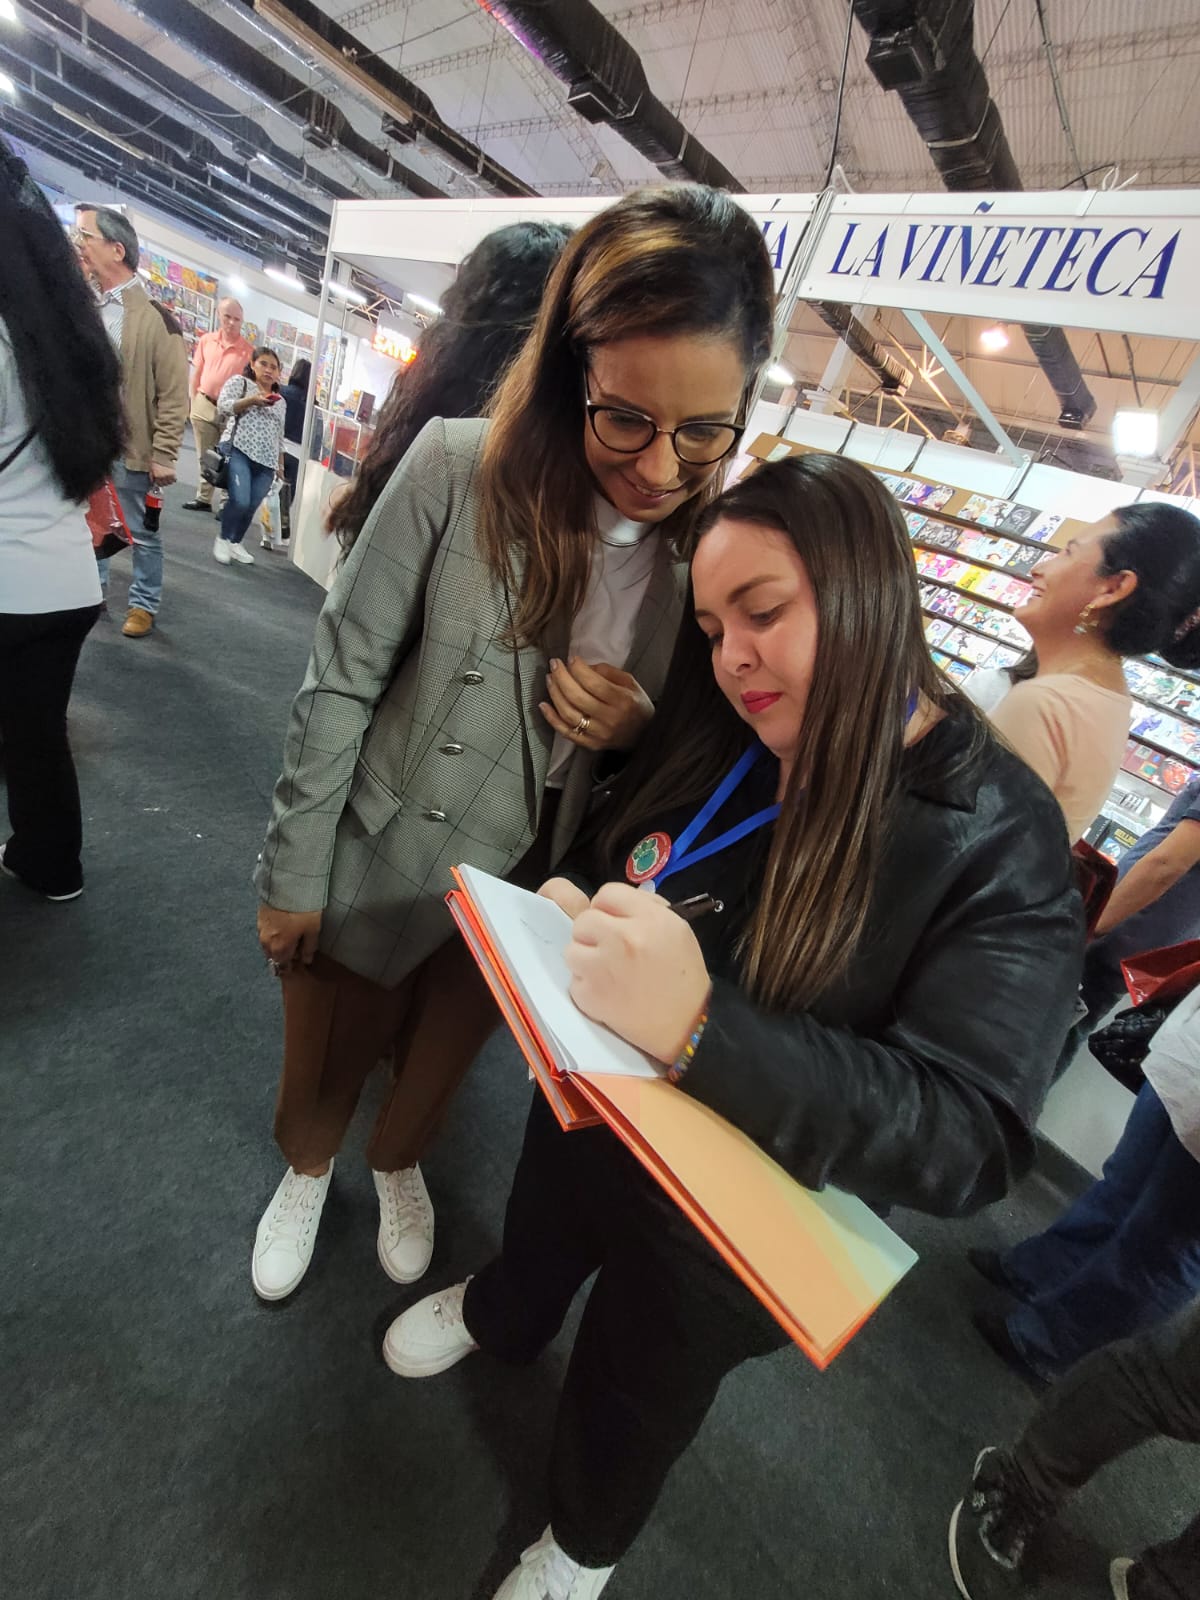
(154, 383)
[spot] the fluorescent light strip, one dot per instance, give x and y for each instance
(292, 279)
(345, 291)
(97, 130)
(8, 11)
(7, 86)
(778, 374)
(422, 304)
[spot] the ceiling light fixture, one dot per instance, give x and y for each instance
(994, 338)
(7, 86)
(346, 291)
(1135, 433)
(291, 278)
(780, 375)
(8, 11)
(100, 133)
(419, 300)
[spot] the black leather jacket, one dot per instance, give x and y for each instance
(918, 1080)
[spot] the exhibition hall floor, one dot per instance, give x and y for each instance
(169, 1437)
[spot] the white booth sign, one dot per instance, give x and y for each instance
(1121, 260)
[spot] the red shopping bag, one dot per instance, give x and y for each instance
(1162, 975)
(110, 531)
(1095, 877)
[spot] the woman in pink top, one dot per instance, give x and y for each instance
(1129, 586)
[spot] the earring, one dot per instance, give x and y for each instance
(1086, 623)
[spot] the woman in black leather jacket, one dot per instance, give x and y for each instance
(876, 1007)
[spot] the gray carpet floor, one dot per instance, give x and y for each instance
(168, 1437)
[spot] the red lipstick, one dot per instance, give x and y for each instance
(757, 702)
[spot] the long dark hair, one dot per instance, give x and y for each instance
(680, 260)
(68, 370)
(1160, 545)
(871, 657)
(301, 375)
(487, 313)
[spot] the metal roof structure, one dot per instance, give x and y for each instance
(245, 119)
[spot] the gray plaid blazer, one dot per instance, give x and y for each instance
(416, 743)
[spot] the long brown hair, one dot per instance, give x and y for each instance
(871, 657)
(487, 313)
(679, 260)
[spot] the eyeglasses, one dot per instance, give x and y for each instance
(697, 444)
(78, 235)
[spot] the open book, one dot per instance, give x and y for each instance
(820, 1263)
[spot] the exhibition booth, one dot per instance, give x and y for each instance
(1116, 261)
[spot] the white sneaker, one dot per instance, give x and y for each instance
(429, 1337)
(239, 553)
(283, 1245)
(1118, 1577)
(548, 1573)
(221, 550)
(405, 1224)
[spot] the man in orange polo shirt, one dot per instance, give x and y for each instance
(218, 356)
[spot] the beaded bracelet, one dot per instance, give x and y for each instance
(683, 1061)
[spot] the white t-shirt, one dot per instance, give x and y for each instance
(1172, 1069)
(603, 628)
(46, 557)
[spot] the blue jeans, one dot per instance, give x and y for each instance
(1123, 1257)
(249, 485)
(147, 586)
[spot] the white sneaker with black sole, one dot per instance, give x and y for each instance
(430, 1337)
(239, 553)
(17, 878)
(405, 1242)
(221, 551)
(283, 1245)
(547, 1572)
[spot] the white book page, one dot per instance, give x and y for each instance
(530, 933)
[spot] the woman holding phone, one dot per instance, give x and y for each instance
(254, 414)
(507, 612)
(876, 1005)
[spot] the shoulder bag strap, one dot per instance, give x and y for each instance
(18, 448)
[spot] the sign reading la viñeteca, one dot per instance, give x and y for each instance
(1086, 263)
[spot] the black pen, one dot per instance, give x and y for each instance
(697, 905)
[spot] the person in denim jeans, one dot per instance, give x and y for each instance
(253, 412)
(1126, 1255)
(154, 391)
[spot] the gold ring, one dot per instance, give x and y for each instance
(581, 727)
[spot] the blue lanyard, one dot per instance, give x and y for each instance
(682, 855)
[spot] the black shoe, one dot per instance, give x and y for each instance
(990, 1530)
(989, 1264)
(196, 505)
(993, 1325)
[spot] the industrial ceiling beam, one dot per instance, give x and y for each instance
(967, 389)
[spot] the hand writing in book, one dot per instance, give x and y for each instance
(637, 967)
(566, 895)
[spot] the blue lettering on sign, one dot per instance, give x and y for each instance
(1130, 262)
(776, 248)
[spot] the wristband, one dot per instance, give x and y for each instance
(679, 1067)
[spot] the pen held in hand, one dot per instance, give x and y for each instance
(697, 905)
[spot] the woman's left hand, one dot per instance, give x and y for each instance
(636, 967)
(599, 707)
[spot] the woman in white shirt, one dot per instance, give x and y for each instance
(254, 413)
(60, 429)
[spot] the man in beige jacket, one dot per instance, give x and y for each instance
(155, 388)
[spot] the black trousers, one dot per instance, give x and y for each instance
(1138, 1389)
(665, 1320)
(38, 656)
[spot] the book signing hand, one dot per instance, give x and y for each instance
(598, 707)
(637, 968)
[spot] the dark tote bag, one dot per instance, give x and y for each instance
(214, 464)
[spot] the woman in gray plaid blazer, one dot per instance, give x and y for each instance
(507, 612)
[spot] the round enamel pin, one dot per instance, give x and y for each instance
(647, 858)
